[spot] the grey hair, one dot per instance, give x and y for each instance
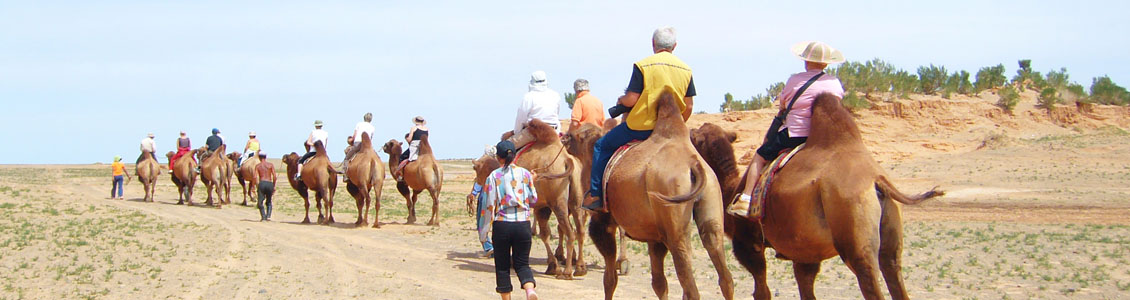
(368, 117)
(664, 38)
(580, 85)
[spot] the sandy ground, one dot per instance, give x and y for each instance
(1037, 208)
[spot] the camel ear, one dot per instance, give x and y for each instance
(733, 137)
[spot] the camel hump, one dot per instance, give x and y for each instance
(543, 133)
(669, 117)
(366, 141)
(832, 124)
(319, 148)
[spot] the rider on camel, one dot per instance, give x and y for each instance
(184, 145)
(148, 146)
(362, 128)
(651, 76)
(415, 134)
(539, 103)
(316, 136)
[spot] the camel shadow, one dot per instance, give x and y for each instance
(471, 261)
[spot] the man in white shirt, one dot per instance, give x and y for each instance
(540, 103)
(363, 128)
(316, 136)
(148, 146)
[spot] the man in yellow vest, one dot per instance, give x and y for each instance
(651, 77)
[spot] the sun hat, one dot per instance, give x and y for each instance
(317, 122)
(252, 133)
(419, 119)
(817, 52)
(215, 131)
(262, 153)
(182, 132)
(150, 135)
(117, 158)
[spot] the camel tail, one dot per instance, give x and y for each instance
(887, 189)
(568, 170)
(698, 175)
(439, 175)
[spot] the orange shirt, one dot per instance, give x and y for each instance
(587, 109)
(119, 168)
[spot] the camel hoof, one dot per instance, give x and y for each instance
(563, 277)
(306, 221)
(581, 272)
(411, 220)
(625, 268)
(433, 223)
(376, 225)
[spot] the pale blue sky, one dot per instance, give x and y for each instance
(82, 81)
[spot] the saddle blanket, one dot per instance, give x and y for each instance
(761, 189)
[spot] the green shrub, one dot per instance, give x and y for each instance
(570, 98)
(854, 102)
(1075, 93)
(1048, 98)
(1105, 91)
(1023, 74)
(903, 83)
(931, 79)
(988, 78)
(1008, 98)
(958, 83)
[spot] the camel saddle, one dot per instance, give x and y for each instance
(614, 160)
(761, 188)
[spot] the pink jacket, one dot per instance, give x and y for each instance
(799, 119)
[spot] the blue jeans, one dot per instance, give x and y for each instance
(604, 148)
(116, 186)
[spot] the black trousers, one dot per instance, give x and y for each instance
(266, 192)
(512, 242)
(306, 157)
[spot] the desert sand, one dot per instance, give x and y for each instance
(1037, 208)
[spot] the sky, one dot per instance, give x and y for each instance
(82, 81)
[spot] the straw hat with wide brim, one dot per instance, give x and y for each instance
(419, 120)
(817, 52)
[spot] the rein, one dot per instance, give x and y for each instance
(546, 167)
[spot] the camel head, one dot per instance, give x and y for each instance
(483, 166)
(392, 147)
(610, 123)
(170, 155)
(715, 145)
(290, 159)
(580, 140)
(234, 155)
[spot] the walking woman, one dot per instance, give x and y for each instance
(510, 192)
(120, 170)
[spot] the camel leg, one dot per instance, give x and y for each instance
(623, 266)
(890, 249)
(435, 206)
(318, 197)
(361, 210)
(565, 238)
(714, 240)
(750, 253)
(376, 203)
(681, 254)
(412, 207)
(209, 202)
(858, 244)
(601, 227)
(805, 274)
(579, 235)
(329, 207)
(306, 202)
(542, 223)
(658, 252)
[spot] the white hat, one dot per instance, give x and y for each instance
(150, 134)
(252, 133)
(817, 52)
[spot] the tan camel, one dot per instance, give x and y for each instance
(831, 199)
(653, 195)
(184, 175)
(422, 174)
(212, 173)
(147, 171)
(248, 178)
(559, 192)
(366, 176)
(317, 175)
(579, 142)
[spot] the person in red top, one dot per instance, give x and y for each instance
(586, 108)
(119, 170)
(184, 145)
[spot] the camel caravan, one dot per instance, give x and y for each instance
(813, 192)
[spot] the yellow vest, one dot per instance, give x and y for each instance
(252, 146)
(661, 72)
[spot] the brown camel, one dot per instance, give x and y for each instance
(366, 176)
(317, 175)
(184, 175)
(653, 195)
(147, 171)
(248, 178)
(579, 142)
(831, 199)
(559, 192)
(422, 174)
(212, 173)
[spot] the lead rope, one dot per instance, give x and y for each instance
(546, 167)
